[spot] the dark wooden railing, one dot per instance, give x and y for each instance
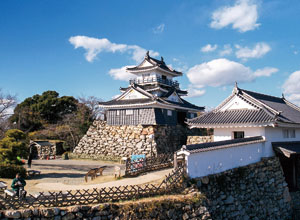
(173, 183)
(137, 167)
(155, 79)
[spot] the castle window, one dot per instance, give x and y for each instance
(288, 133)
(292, 133)
(238, 134)
(169, 113)
(285, 133)
(129, 112)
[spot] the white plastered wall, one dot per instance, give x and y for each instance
(221, 134)
(236, 103)
(216, 161)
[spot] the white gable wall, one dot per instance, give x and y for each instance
(133, 94)
(236, 103)
(146, 63)
(174, 98)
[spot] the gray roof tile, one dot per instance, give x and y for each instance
(195, 148)
(237, 116)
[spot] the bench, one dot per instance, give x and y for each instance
(3, 186)
(9, 192)
(32, 173)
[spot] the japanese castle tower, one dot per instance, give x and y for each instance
(147, 118)
(152, 98)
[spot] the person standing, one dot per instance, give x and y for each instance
(29, 160)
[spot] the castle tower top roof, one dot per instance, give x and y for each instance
(150, 64)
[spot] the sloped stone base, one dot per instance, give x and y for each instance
(125, 140)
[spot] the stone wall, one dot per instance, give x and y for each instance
(256, 191)
(125, 140)
(199, 139)
(192, 206)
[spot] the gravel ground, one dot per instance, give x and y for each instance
(62, 175)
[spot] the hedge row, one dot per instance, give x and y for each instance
(10, 171)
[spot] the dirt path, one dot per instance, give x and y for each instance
(62, 175)
(150, 177)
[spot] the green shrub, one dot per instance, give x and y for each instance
(10, 171)
(13, 146)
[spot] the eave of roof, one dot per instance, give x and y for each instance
(266, 113)
(217, 145)
(157, 64)
(231, 117)
(287, 148)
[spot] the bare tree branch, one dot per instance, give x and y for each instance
(92, 103)
(7, 103)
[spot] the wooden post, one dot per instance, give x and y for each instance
(175, 161)
(294, 172)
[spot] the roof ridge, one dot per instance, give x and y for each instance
(260, 93)
(262, 103)
(291, 105)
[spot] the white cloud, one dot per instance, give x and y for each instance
(159, 29)
(222, 72)
(209, 48)
(138, 53)
(94, 46)
(267, 71)
(179, 65)
(242, 16)
(227, 50)
(219, 72)
(195, 92)
(121, 73)
(291, 87)
(259, 50)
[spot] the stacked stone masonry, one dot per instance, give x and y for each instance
(171, 207)
(198, 139)
(125, 140)
(256, 191)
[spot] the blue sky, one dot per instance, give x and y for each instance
(79, 47)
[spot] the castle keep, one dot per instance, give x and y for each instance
(147, 118)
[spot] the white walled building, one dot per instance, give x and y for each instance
(247, 126)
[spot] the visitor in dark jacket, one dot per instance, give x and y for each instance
(29, 160)
(18, 183)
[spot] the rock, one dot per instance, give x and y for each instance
(74, 209)
(229, 200)
(286, 195)
(12, 214)
(47, 213)
(56, 211)
(185, 216)
(68, 216)
(170, 213)
(26, 213)
(79, 215)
